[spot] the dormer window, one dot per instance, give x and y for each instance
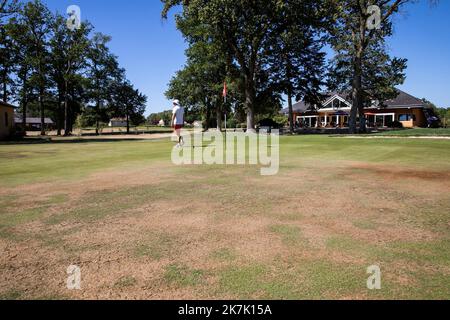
(336, 104)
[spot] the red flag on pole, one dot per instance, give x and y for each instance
(225, 90)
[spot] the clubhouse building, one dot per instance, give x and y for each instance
(335, 111)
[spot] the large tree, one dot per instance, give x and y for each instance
(102, 70)
(68, 51)
(21, 56)
(7, 63)
(244, 29)
(8, 8)
(362, 65)
(126, 101)
(36, 17)
(199, 85)
(296, 60)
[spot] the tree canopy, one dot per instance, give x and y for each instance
(55, 71)
(247, 35)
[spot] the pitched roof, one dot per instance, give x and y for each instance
(31, 120)
(404, 100)
(300, 106)
(342, 95)
(4, 104)
(401, 101)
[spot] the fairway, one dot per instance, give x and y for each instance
(140, 227)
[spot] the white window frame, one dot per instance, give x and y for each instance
(332, 99)
(384, 115)
(303, 118)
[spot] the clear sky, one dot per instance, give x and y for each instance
(152, 50)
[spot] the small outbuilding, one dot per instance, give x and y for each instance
(6, 119)
(33, 123)
(117, 122)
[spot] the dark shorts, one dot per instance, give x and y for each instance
(178, 127)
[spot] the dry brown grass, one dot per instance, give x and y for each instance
(159, 232)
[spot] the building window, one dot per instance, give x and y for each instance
(6, 119)
(337, 104)
(406, 117)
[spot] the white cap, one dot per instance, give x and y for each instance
(176, 102)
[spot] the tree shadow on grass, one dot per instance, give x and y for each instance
(32, 141)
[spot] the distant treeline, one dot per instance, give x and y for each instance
(50, 69)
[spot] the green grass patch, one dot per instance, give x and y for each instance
(57, 199)
(431, 252)
(257, 281)
(224, 254)
(182, 276)
(243, 281)
(22, 217)
(101, 204)
(418, 132)
(306, 279)
(435, 253)
(11, 295)
(291, 235)
(324, 279)
(366, 224)
(50, 162)
(157, 247)
(360, 249)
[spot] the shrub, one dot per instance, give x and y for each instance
(268, 123)
(281, 120)
(397, 125)
(16, 133)
(232, 123)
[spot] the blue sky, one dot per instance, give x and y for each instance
(152, 50)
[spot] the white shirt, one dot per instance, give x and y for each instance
(179, 116)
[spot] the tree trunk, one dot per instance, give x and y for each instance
(219, 116)
(59, 115)
(41, 107)
(67, 130)
(97, 113)
(128, 124)
(291, 112)
(5, 86)
(24, 106)
(362, 120)
(250, 97)
(24, 116)
(208, 115)
(97, 123)
(250, 120)
(356, 93)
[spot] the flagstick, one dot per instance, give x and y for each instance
(225, 120)
(225, 115)
(225, 94)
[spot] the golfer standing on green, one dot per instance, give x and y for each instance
(178, 121)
